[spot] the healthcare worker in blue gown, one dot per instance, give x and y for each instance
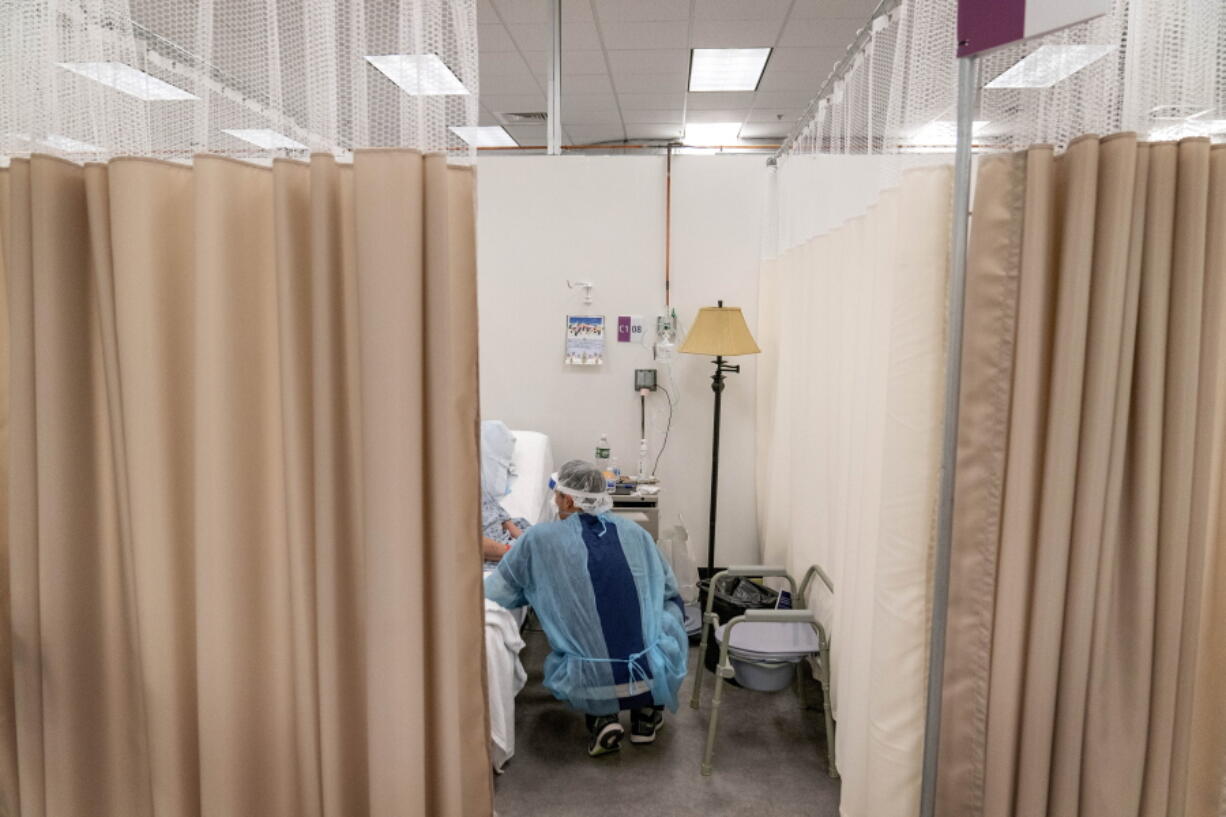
(609, 605)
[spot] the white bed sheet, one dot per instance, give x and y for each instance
(506, 677)
(533, 460)
(529, 498)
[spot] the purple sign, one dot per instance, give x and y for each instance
(623, 329)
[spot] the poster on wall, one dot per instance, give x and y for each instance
(584, 340)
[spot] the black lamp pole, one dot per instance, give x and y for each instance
(717, 386)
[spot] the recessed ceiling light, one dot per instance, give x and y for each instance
(265, 138)
(1050, 64)
(419, 74)
(712, 133)
(123, 77)
(68, 145)
(486, 136)
(727, 69)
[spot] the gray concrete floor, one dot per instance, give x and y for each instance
(770, 758)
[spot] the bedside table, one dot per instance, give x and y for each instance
(645, 510)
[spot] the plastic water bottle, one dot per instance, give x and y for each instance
(603, 453)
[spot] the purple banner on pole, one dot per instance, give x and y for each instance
(988, 24)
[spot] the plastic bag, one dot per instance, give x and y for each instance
(675, 543)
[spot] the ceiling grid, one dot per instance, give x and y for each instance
(625, 63)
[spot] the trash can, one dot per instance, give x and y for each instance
(732, 598)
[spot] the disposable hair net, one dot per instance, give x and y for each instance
(585, 483)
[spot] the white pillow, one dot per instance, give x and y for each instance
(497, 451)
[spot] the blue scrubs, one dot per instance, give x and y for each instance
(609, 605)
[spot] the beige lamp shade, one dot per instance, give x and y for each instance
(720, 330)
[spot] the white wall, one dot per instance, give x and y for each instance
(543, 220)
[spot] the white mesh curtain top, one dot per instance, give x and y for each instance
(1156, 67)
(253, 79)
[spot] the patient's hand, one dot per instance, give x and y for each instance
(513, 529)
(494, 551)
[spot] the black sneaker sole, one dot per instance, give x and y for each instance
(607, 741)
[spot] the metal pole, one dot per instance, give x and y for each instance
(553, 135)
(717, 386)
(968, 92)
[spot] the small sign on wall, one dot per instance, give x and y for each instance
(630, 328)
(584, 340)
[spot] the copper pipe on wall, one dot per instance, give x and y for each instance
(668, 227)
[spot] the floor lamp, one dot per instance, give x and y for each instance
(720, 331)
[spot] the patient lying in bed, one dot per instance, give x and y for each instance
(499, 530)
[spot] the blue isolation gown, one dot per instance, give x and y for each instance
(609, 605)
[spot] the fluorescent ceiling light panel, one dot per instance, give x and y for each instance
(123, 77)
(727, 69)
(265, 138)
(491, 136)
(419, 74)
(1050, 64)
(68, 145)
(712, 133)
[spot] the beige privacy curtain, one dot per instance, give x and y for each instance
(243, 571)
(850, 405)
(1088, 592)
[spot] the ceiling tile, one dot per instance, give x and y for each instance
(651, 101)
(620, 36)
(509, 83)
(650, 61)
(656, 131)
(643, 10)
(810, 9)
(828, 32)
(523, 11)
(587, 134)
(740, 9)
(783, 99)
(804, 59)
(794, 80)
(761, 130)
(601, 117)
(494, 38)
(714, 100)
(727, 115)
(536, 36)
(573, 62)
(586, 84)
(651, 83)
(513, 103)
(775, 114)
(502, 63)
(651, 117)
(735, 33)
(586, 102)
(576, 11)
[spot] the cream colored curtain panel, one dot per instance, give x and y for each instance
(241, 562)
(1084, 674)
(850, 403)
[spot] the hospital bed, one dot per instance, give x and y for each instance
(531, 499)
